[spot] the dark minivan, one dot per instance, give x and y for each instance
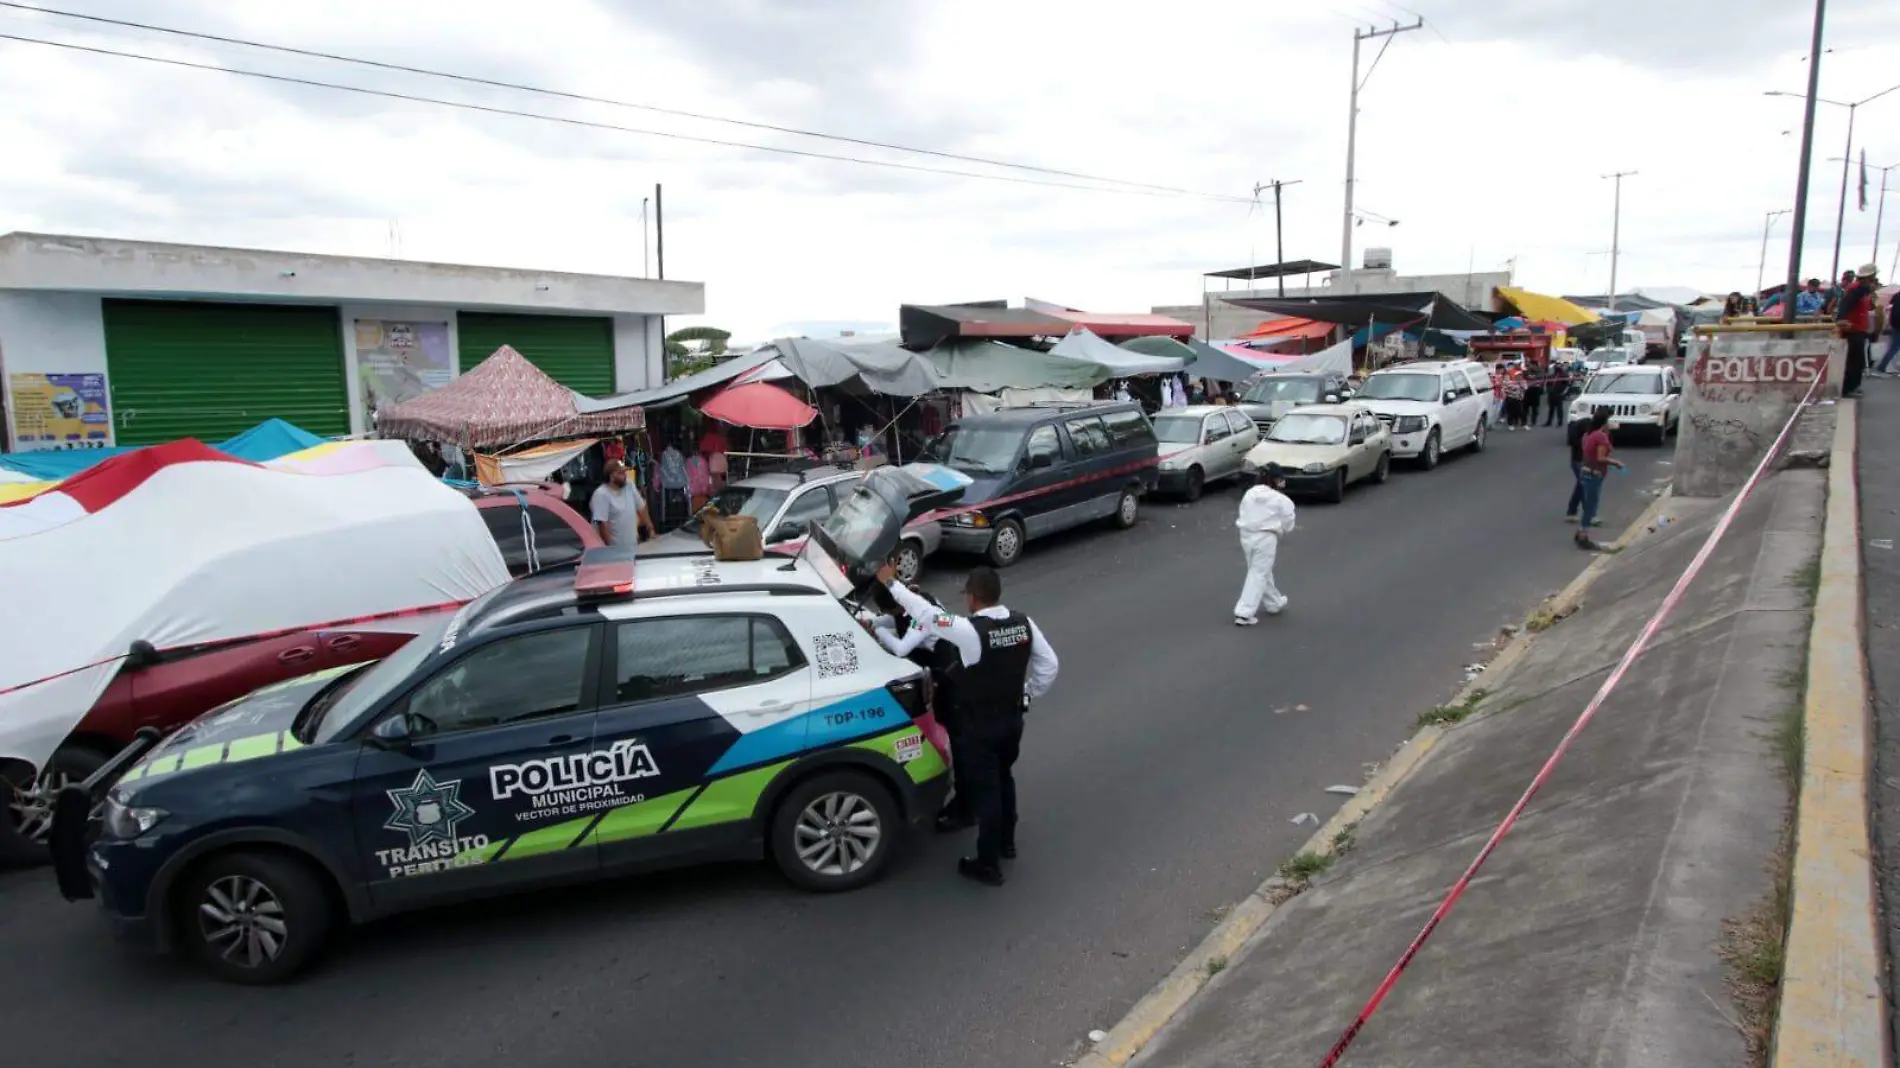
(1045, 468)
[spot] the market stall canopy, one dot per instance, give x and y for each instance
(991, 366)
(759, 405)
(504, 400)
(1274, 270)
(1204, 360)
(1080, 344)
(1539, 306)
(926, 325)
(881, 366)
(266, 441)
(1425, 308)
(1292, 328)
(680, 388)
(1624, 302)
(1335, 358)
(180, 545)
(1111, 325)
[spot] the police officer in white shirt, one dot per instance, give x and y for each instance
(1007, 663)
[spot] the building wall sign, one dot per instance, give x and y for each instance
(397, 360)
(59, 411)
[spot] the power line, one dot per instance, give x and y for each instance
(585, 98)
(592, 125)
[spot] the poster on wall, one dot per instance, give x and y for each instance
(399, 360)
(52, 411)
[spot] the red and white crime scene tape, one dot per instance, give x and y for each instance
(1635, 650)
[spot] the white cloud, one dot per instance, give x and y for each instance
(1487, 147)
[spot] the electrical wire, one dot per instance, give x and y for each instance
(593, 125)
(585, 98)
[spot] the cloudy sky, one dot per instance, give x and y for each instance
(1486, 135)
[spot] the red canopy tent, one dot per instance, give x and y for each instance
(504, 400)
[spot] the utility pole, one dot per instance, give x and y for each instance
(1761, 269)
(1807, 152)
(1352, 127)
(1279, 246)
(1880, 211)
(1616, 233)
(659, 229)
(646, 246)
(1840, 213)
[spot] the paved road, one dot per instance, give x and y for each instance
(1157, 783)
(1879, 477)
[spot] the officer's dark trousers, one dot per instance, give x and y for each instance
(991, 745)
(962, 747)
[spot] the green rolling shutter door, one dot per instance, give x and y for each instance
(576, 351)
(181, 369)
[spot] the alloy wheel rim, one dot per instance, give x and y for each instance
(908, 564)
(1128, 508)
(31, 808)
(837, 834)
(242, 919)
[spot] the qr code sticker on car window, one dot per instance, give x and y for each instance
(837, 655)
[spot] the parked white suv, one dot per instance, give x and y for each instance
(1430, 407)
(1645, 398)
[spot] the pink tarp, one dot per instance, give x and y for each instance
(504, 400)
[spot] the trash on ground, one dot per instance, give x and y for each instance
(1304, 819)
(1342, 789)
(1097, 1036)
(1301, 708)
(1881, 543)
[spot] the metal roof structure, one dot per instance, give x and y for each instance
(1274, 270)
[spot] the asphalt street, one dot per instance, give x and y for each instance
(1158, 781)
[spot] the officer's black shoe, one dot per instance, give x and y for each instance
(971, 868)
(1009, 851)
(949, 823)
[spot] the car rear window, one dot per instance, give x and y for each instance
(1128, 427)
(532, 538)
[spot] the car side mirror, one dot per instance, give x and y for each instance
(1450, 396)
(1332, 398)
(395, 733)
(1040, 461)
(141, 655)
(786, 531)
(1675, 390)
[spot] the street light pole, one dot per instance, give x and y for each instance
(1840, 213)
(1807, 153)
(1279, 246)
(1352, 129)
(646, 266)
(1761, 269)
(1807, 147)
(1616, 233)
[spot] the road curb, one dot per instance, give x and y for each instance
(1832, 1011)
(1244, 920)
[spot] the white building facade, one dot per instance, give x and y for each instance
(106, 342)
(1215, 318)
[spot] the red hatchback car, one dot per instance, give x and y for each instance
(534, 529)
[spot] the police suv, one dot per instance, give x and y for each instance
(577, 723)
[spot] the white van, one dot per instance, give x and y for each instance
(1431, 406)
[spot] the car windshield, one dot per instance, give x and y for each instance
(1303, 429)
(1179, 429)
(756, 501)
(337, 706)
(1625, 382)
(1413, 387)
(980, 450)
(1287, 390)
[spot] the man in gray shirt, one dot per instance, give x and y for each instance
(619, 512)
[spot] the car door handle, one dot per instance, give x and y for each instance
(345, 643)
(560, 739)
(769, 708)
(297, 655)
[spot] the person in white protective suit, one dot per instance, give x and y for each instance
(1266, 515)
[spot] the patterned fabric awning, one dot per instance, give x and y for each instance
(504, 400)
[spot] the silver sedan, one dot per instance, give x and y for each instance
(1201, 444)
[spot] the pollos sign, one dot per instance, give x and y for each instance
(1778, 369)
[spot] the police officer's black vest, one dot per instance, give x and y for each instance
(993, 686)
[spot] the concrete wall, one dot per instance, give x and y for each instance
(1739, 390)
(1475, 291)
(639, 352)
(136, 268)
(48, 333)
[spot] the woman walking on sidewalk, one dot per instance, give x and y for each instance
(1597, 461)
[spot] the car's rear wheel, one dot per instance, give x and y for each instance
(909, 561)
(28, 821)
(1127, 510)
(1006, 543)
(1428, 456)
(1196, 482)
(835, 831)
(1384, 470)
(254, 917)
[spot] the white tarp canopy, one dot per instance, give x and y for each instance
(984, 403)
(1082, 344)
(151, 546)
(1335, 358)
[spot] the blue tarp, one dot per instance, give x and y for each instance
(266, 441)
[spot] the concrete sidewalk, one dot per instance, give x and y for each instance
(1594, 935)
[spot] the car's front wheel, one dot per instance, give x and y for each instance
(1478, 435)
(1384, 470)
(1196, 482)
(254, 917)
(1428, 456)
(835, 831)
(1336, 488)
(1127, 509)
(909, 561)
(1006, 543)
(28, 820)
